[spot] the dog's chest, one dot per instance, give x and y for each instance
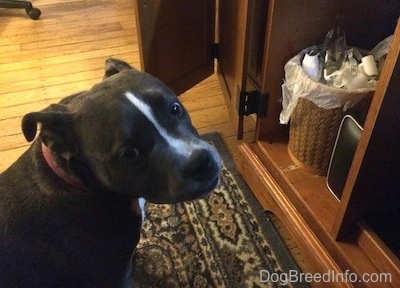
(95, 223)
(89, 240)
(89, 243)
(96, 242)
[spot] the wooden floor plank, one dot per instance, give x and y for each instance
(46, 38)
(26, 63)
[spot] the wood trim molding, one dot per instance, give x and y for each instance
(260, 180)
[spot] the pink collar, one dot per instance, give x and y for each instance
(77, 183)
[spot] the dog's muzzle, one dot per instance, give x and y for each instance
(203, 168)
(199, 165)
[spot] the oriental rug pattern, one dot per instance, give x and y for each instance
(223, 241)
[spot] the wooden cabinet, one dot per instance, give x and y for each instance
(356, 234)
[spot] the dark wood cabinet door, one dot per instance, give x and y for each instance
(233, 36)
(179, 42)
(176, 40)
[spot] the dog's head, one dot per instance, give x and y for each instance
(129, 135)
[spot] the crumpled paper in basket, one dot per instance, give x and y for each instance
(297, 84)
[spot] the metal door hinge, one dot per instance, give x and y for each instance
(253, 102)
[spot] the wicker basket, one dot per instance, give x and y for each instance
(312, 135)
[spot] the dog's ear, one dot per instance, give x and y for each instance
(56, 128)
(114, 66)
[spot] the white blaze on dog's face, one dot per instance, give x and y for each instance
(178, 146)
(150, 148)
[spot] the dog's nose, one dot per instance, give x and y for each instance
(200, 165)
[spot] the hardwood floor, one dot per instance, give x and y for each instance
(63, 53)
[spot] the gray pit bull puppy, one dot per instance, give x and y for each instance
(69, 213)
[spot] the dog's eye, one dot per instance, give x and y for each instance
(129, 153)
(176, 109)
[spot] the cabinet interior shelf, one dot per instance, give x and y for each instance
(308, 188)
(308, 195)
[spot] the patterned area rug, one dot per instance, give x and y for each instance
(224, 241)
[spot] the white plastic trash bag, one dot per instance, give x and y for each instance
(297, 84)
